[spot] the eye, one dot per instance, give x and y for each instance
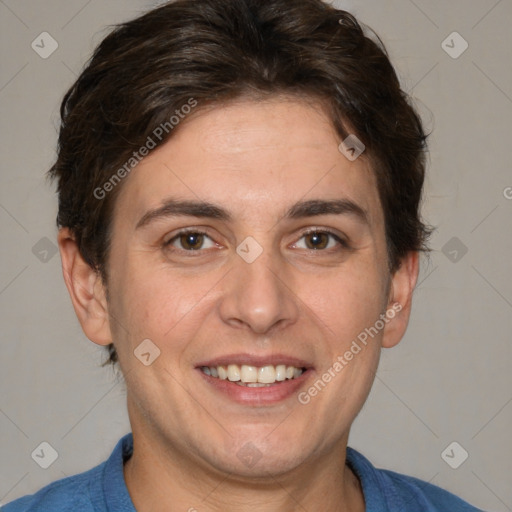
(319, 240)
(191, 241)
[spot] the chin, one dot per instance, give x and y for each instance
(249, 462)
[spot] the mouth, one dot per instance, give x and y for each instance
(255, 381)
(253, 376)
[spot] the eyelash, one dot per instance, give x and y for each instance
(336, 237)
(168, 244)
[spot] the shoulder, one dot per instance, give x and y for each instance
(99, 489)
(436, 498)
(72, 493)
(393, 491)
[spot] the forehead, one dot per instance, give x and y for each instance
(251, 156)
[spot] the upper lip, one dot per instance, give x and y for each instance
(256, 360)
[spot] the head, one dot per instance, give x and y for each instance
(293, 248)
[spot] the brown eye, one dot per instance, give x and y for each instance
(320, 240)
(317, 240)
(191, 241)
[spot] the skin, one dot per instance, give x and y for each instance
(254, 159)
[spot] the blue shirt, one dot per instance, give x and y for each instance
(102, 489)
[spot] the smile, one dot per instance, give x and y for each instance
(253, 376)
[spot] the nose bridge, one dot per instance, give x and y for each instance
(257, 295)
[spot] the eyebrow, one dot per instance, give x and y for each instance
(300, 210)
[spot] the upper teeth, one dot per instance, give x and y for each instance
(253, 374)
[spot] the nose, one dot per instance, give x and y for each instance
(259, 295)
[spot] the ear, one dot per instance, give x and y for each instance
(86, 289)
(399, 305)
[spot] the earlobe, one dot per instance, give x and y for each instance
(399, 306)
(86, 290)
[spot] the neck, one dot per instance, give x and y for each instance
(165, 479)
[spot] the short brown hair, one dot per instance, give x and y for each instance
(214, 51)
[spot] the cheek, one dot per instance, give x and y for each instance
(348, 300)
(158, 304)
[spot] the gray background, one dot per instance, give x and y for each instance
(449, 380)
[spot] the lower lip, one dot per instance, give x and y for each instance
(265, 395)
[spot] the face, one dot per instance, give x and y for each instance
(249, 245)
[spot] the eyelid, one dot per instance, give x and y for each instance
(167, 244)
(341, 239)
(184, 231)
